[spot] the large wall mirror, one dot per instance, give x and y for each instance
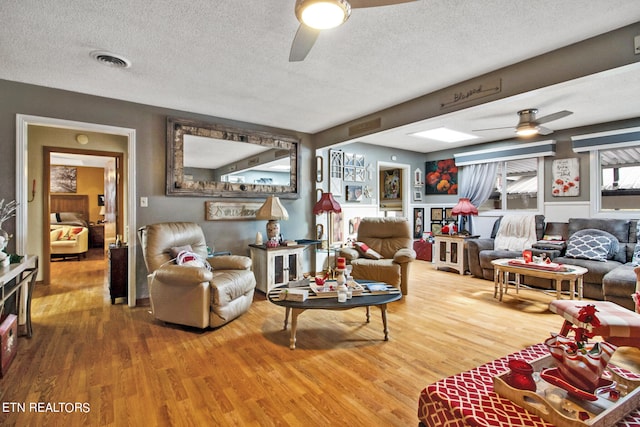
(206, 159)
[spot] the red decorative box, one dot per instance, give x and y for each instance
(8, 342)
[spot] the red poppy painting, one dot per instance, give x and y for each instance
(441, 177)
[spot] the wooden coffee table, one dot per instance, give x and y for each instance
(502, 268)
(315, 303)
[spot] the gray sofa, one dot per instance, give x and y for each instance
(612, 280)
(481, 251)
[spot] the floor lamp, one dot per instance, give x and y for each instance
(465, 209)
(329, 205)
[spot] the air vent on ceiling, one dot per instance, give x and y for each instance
(110, 59)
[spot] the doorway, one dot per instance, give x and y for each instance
(93, 202)
(29, 215)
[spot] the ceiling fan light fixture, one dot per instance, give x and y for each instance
(527, 130)
(323, 14)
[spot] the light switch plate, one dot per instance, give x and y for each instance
(144, 202)
(636, 44)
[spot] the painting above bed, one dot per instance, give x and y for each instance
(64, 179)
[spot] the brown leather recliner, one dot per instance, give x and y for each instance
(189, 295)
(390, 237)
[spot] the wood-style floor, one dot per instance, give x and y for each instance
(91, 363)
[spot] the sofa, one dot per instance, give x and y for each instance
(481, 251)
(612, 280)
(69, 241)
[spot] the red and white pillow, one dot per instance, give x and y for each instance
(364, 250)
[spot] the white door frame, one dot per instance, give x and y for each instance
(22, 161)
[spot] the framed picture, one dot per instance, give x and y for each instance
(436, 228)
(354, 193)
(391, 184)
(100, 199)
(566, 178)
(417, 177)
(349, 173)
(217, 211)
(436, 214)
(336, 228)
(63, 179)
(448, 214)
(335, 172)
(417, 196)
(441, 177)
(349, 159)
(418, 222)
(354, 224)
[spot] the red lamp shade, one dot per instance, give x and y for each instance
(327, 204)
(464, 207)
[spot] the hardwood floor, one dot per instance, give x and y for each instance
(97, 364)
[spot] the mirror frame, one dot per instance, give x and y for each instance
(177, 186)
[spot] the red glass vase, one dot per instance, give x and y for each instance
(521, 375)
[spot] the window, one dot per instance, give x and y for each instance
(619, 179)
(516, 186)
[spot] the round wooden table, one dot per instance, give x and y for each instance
(314, 302)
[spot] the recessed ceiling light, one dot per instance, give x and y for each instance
(110, 59)
(444, 135)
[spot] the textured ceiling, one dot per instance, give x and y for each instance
(229, 58)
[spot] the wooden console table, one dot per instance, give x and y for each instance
(19, 279)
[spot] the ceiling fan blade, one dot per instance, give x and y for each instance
(554, 116)
(480, 130)
(355, 4)
(544, 131)
(302, 43)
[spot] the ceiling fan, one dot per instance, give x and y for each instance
(528, 125)
(318, 15)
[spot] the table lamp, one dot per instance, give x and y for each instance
(329, 205)
(102, 213)
(465, 209)
(273, 211)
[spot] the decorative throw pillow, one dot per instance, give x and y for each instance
(366, 251)
(56, 236)
(192, 259)
(73, 233)
(591, 247)
(174, 251)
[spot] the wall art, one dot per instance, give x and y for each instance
(436, 228)
(566, 178)
(418, 222)
(436, 214)
(215, 211)
(63, 179)
(354, 193)
(391, 184)
(335, 172)
(441, 177)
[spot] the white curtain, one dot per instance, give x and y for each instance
(477, 183)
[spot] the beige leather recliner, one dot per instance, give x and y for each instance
(390, 237)
(188, 295)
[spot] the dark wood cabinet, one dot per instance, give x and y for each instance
(96, 235)
(118, 272)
